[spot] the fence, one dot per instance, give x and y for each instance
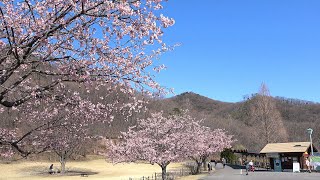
(171, 175)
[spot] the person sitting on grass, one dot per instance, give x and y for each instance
(51, 169)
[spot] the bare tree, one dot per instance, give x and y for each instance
(267, 118)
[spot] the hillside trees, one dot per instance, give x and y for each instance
(267, 117)
(162, 140)
(47, 45)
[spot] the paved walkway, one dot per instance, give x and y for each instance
(235, 174)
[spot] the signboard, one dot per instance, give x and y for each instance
(272, 155)
(296, 167)
(315, 160)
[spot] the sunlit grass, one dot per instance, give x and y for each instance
(96, 168)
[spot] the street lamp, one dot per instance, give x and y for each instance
(310, 133)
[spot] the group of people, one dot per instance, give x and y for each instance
(249, 166)
(214, 162)
(210, 164)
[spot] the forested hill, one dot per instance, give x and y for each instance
(297, 116)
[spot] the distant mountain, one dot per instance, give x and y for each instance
(297, 115)
(201, 103)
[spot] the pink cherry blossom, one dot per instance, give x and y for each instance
(46, 45)
(162, 140)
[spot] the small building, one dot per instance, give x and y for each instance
(283, 155)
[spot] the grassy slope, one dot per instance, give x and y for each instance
(105, 170)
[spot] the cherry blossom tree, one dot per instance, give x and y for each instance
(158, 139)
(67, 140)
(47, 44)
(207, 142)
(48, 126)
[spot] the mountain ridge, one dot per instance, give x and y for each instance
(298, 115)
(282, 98)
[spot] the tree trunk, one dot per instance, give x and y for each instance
(266, 130)
(63, 164)
(164, 172)
(204, 163)
(63, 167)
(198, 167)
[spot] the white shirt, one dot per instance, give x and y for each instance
(307, 163)
(251, 163)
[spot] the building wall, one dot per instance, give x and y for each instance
(287, 160)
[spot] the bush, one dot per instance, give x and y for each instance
(228, 155)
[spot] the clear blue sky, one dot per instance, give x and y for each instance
(230, 46)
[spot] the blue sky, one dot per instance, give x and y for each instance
(229, 47)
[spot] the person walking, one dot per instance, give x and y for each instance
(224, 162)
(209, 166)
(308, 165)
(247, 167)
(251, 166)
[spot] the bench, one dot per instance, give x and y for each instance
(84, 175)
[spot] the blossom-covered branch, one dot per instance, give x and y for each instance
(47, 44)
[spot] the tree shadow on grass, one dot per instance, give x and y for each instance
(71, 173)
(44, 171)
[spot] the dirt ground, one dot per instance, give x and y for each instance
(97, 169)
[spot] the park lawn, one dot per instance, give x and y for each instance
(38, 170)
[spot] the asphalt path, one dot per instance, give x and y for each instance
(229, 173)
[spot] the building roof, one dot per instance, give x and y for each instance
(286, 147)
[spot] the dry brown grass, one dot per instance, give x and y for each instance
(104, 170)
